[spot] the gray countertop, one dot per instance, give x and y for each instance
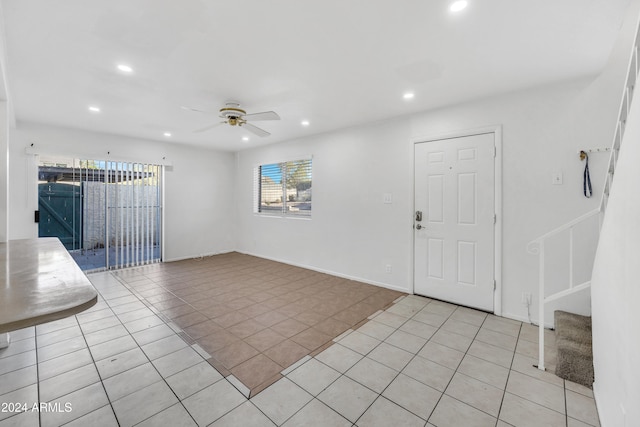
(40, 282)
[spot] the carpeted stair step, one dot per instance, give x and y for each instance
(575, 354)
(573, 326)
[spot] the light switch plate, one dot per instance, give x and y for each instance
(556, 178)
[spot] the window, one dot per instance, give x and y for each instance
(283, 188)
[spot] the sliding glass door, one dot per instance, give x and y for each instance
(108, 214)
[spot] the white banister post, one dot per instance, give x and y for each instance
(5, 339)
(541, 310)
(570, 257)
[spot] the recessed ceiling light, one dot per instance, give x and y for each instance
(408, 95)
(305, 123)
(94, 109)
(167, 134)
(125, 68)
(245, 138)
(457, 6)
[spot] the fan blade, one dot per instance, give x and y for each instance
(195, 109)
(255, 129)
(265, 115)
(208, 127)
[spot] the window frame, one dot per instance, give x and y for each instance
(284, 211)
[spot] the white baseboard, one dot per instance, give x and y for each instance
(596, 396)
(524, 319)
(196, 256)
(332, 273)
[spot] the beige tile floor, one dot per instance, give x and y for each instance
(253, 317)
(419, 362)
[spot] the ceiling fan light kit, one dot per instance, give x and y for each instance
(235, 116)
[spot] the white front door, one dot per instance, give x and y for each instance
(454, 239)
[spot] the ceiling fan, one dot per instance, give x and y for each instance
(235, 116)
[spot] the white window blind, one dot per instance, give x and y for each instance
(283, 188)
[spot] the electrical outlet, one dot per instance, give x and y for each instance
(525, 298)
(387, 268)
(387, 198)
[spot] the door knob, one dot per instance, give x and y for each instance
(419, 227)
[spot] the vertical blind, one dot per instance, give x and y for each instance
(283, 188)
(119, 222)
(133, 214)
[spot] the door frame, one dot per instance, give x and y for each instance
(497, 229)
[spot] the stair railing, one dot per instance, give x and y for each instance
(537, 246)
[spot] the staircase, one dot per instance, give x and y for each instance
(573, 340)
(573, 332)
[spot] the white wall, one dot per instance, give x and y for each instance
(4, 173)
(353, 233)
(199, 188)
(615, 289)
(616, 318)
(6, 119)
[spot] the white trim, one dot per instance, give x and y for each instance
(105, 155)
(238, 385)
(564, 227)
(281, 216)
(5, 340)
(332, 273)
(497, 241)
(163, 210)
(525, 319)
(457, 134)
(496, 130)
(199, 256)
(281, 160)
(596, 398)
(257, 178)
(296, 365)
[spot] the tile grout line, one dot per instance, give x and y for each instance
(459, 363)
(497, 417)
(394, 378)
(344, 374)
(410, 360)
(96, 366)
(154, 367)
(165, 379)
(416, 355)
(566, 408)
(504, 392)
(20, 368)
(465, 353)
(35, 338)
(398, 328)
(150, 305)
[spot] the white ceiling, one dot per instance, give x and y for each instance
(334, 63)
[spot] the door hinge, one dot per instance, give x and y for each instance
(494, 284)
(495, 219)
(495, 151)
